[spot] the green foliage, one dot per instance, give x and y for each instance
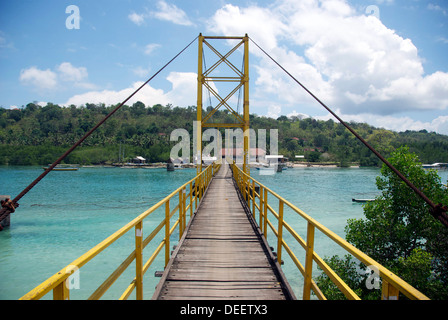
(145, 127)
(398, 230)
(352, 273)
(313, 156)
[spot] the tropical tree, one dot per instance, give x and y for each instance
(398, 230)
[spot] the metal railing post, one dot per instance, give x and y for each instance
(246, 195)
(61, 291)
(261, 209)
(196, 192)
(201, 186)
(184, 208)
(389, 292)
(280, 232)
(139, 260)
(265, 222)
(191, 199)
(181, 216)
(308, 261)
(253, 198)
(167, 232)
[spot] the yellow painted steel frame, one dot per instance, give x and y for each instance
(392, 284)
(242, 80)
(192, 190)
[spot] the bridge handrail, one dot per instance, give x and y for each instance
(391, 283)
(59, 282)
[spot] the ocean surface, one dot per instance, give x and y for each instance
(68, 213)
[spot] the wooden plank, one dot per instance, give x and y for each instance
(226, 290)
(221, 256)
(226, 294)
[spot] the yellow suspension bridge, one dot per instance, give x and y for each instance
(232, 228)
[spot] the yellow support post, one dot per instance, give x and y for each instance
(308, 262)
(167, 232)
(389, 292)
(181, 215)
(245, 80)
(245, 194)
(184, 208)
(201, 179)
(199, 107)
(196, 192)
(139, 260)
(61, 291)
(191, 199)
(265, 211)
(280, 232)
(253, 199)
(260, 223)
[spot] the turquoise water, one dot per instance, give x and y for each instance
(68, 213)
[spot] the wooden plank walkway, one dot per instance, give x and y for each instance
(222, 254)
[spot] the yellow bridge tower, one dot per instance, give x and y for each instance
(208, 76)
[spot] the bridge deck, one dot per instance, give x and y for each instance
(222, 254)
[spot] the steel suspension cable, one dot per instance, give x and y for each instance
(4, 212)
(438, 211)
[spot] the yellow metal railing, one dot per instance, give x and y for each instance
(191, 192)
(260, 198)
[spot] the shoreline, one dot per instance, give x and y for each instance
(320, 165)
(163, 165)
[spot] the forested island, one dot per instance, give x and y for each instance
(36, 135)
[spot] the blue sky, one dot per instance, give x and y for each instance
(378, 61)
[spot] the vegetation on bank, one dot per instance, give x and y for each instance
(398, 232)
(35, 135)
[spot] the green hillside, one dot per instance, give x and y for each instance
(35, 135)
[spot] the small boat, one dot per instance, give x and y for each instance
(63, 168)
(362, 200)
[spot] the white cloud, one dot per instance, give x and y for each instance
(183, 93)
(274, 111)
(70, 73)
(138, 19)
(42, 80)
(385, 1)
(436, 7)
(112, 97)
(257, 22)
(184, 88)
(165, 12)
(349, 60)
(64, 74)
(440, 125)
(141, 72)
(442, 39)
(149, 48)
(297, 115)
(395, 123)
(171, 13)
